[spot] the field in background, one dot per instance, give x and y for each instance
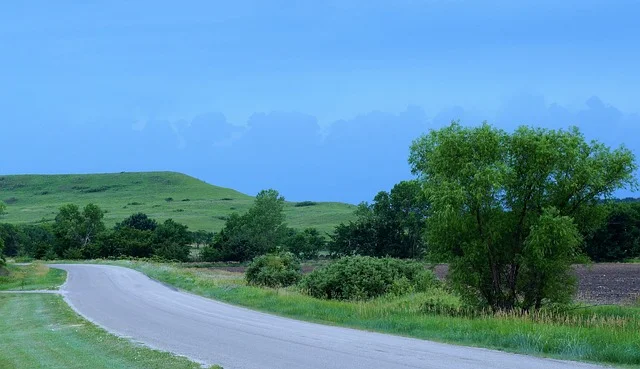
(161, 195)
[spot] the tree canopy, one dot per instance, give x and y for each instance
(508, 211)
(391, 226)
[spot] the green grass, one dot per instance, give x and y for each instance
(32, 277)
(603, 334)
(41, 331)
(37, 198)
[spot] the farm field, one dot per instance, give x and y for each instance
(160, 195)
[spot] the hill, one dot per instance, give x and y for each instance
(161, 195)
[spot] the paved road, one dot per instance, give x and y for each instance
(127, 303)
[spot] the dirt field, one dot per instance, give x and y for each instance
(604, 283)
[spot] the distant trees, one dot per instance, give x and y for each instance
(391, 226)
(259, 231)
(2, 259)
(3, 209)
(139, 221)
(306, 244)
(508, 211)
(619, 238)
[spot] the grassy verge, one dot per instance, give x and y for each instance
(32, 277)
(596, 334)
(41, 331)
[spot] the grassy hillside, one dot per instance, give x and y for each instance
(161, 195)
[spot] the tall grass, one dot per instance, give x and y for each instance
(596, 334)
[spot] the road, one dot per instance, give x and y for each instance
(127, 303)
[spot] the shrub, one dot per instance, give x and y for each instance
(365, 277)
(305, 203)
(274, 270)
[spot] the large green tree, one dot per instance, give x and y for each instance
(76, 231)
(509, 210)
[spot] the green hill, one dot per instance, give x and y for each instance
(161, 195)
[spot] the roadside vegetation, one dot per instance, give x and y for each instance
(41, 331)
(511, 214)
(31, 277)
(605, 334)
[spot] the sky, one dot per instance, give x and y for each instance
(317, 99)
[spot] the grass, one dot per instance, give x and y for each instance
(41, 331)
(161, 195)
(32, 277)
(593, 334)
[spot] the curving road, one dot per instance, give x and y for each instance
(127, 303)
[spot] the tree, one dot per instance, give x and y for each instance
(139, 221)
(2, 259)
(76, 231)
(504, 206)
(619, 238)
(391, 226)
(171, 241)
(10, 235)
(3, 209)
(305, 245)
(259, 231)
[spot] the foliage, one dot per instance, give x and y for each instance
(76, 232)
(302, 204)
(365, 277)
(171, 241)
(202, 238)
(497, 198)
(274, 270)
(3, 209)
(619, 238)
(305, 245)
(127, 241)
(259, 231)
(2, 259)
(139, 221)
(391, 226)
(10, 235)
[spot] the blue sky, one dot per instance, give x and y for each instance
(318, 99)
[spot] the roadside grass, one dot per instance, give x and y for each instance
(34, 276)
(41, 331)
(604, 334)
(161, 195)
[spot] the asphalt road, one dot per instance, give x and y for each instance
(127, 303)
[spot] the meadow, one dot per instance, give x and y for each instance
(160, 195)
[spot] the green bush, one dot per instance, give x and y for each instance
(274, 270)
(365, 277)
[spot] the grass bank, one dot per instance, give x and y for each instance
(30, 277)
(161, 195)
(41, 331)
(595, 334)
